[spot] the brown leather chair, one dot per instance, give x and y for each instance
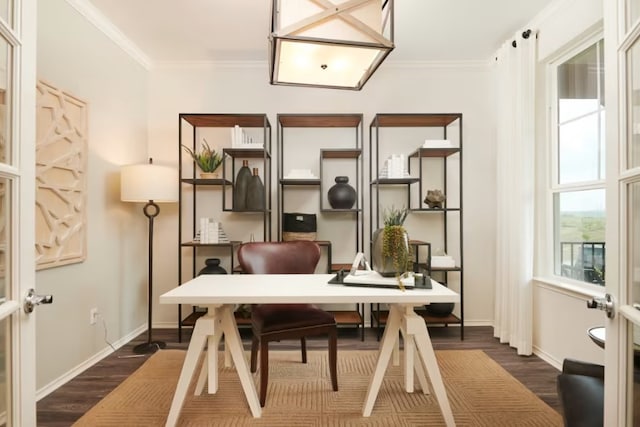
(275, 322)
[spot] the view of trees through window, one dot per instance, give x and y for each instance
(578, 191)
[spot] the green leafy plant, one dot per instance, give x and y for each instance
(394, 241)
(207, 159)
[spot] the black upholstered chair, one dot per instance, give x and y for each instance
(275, 322)
(581, 392)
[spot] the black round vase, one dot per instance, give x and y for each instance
(212, 267)
(341, 195)
(440, 309)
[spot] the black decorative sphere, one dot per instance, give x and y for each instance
(440, 309)
(212, 267)
(342, 195)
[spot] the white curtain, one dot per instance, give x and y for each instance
(515, 75)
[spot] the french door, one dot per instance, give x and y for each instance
(17, 206)
(622, 82)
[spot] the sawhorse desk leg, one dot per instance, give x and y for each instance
(209, 329)
(403, 319)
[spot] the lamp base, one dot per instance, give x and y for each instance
(149, 347)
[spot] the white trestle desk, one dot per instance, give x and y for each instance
(221, 293)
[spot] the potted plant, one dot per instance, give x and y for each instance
(391, 245)
(207, 159)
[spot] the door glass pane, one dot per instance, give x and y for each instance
(4, 238)
(5, 360)
(633, 105)
(579, 223)
(633, 376)
(5, 95)
(634, 12)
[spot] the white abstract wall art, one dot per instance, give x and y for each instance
(61, 163)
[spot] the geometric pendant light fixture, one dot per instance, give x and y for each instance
(329, 43)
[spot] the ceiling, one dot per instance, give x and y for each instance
(237, 30)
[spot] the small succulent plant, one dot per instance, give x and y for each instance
(207, 159)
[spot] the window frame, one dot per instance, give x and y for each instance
(546, 264)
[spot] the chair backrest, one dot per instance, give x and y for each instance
(294, 257)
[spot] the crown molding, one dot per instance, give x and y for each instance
(438, 64)
(95, 17)
(264, 64)
(211, 64)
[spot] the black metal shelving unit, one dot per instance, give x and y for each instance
(350, 154)
(447, 213)
(189, 126)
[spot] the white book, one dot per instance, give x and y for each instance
(212, 231)
(203, 230)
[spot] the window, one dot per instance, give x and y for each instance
(578, 151)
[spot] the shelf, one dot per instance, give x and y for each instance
(435, 210)
(220, 245)
(340, 154)
(382, 317)
(200, 181)
(394, 181)
(415, 120)
(434, 152)
(190, 320)
(337, 267)
(247, 210)
(249, 153)
(340, 210)
(307, 182)
(351, 317)
(319, 120)
(226, 120)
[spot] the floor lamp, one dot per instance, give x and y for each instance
(150, 184)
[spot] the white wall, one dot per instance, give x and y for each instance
(73, 55)
(560, 318)
(458, 88)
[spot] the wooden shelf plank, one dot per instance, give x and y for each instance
(319, 120)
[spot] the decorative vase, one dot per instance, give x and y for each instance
(440, 309)
(240, 187)
(382, 263)
(342, 195)
(255, 192)
(212, 267)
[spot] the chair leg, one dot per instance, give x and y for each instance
(303, 346)
(333, 357)
(254, 353)
(264, 370)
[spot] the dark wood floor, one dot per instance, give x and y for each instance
(65, 405)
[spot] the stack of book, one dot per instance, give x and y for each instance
(211, 232)
(239, 139)
(395, 167)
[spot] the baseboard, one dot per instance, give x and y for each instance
(72, 373)
(547, 358)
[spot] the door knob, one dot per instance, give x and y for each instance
(31, 300)
(605, 304)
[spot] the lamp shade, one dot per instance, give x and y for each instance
(337, 45)
(144, 182)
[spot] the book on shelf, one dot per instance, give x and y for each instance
(211, 232)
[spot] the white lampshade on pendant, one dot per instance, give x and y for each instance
(144, 182)
(335, 44)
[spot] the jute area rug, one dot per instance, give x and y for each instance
(480, 391)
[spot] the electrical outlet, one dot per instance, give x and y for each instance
(93, 316)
